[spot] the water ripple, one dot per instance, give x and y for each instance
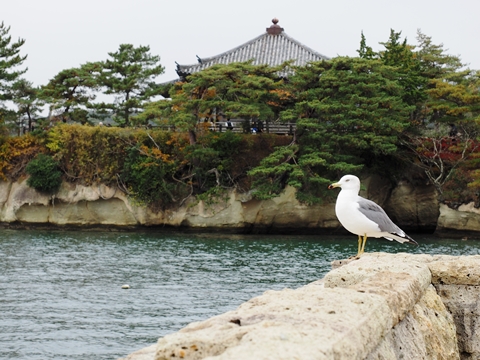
(61, 293)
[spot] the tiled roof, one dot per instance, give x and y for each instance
(273, 48)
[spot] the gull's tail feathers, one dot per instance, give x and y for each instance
(401, 238)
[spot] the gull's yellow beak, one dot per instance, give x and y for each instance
(334, 185)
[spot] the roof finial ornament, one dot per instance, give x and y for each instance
(274, 29)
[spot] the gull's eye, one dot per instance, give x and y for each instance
(347, 180)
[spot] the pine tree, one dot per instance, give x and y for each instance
(10, 60)
(366, 52)
(129, 75)
(435, 61)
(239, 90)
(350, 114)
(71, 92)
(25, 97)
(409, 68)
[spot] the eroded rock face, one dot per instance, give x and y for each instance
(466, 219)
(415, 207)
(77, 205)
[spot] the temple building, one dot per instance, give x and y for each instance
(273, 48)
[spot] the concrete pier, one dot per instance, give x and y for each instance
(382, 306)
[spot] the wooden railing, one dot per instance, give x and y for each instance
(238, 127)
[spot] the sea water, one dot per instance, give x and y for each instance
(61, 293)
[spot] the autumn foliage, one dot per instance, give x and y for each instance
(16, 153)
(155, 167)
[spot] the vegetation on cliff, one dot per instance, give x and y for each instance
(45, 176)
(411, 106)
(156, 167)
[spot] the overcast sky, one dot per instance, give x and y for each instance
(62, 34)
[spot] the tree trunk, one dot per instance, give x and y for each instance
(192, 137)
(127, 110)
(29, 121)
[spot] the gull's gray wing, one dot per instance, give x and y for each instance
(375, 213)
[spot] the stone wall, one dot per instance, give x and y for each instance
(382, 306)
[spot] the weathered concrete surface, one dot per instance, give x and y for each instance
(310, 322)
(463, 302)
(99, 205)
(458, 284)
(382, 306)
(147, 353)
(426, 332)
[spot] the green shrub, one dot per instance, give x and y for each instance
(45, 175)
(148, 175)
(213, 159)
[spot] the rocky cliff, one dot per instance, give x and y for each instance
(383, 306)
(414, 208)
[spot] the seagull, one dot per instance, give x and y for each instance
(363, 217)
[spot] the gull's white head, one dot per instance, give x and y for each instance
(347, 182)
